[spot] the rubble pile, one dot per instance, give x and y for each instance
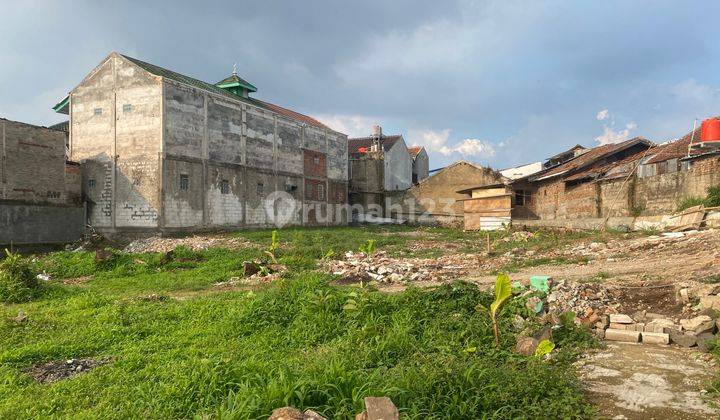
(379, 267)
(658, 329)
(63, 369)
(195, 243)
(581, 298)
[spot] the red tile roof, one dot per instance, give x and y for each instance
(588, 158)
(414, 150)
(291, 114)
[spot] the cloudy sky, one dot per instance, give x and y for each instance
(494, 82)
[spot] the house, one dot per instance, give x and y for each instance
(379, 165)
(420, 163)
(40, 198)
(162, 151)
(436, 199)
(569, 190)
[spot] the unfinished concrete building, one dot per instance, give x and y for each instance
(163, 151)
(40, 198)
(379, 165)
(420, 163)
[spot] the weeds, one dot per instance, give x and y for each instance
(18, 280)
(711, 199)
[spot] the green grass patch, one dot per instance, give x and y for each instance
(181, 349)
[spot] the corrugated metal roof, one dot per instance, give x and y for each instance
(588, 158)
(676, 149)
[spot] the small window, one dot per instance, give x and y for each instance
(291, 189)
(519, 198)
(260, 188)
(91, 183)
(97, 111)
(321, 191)
(127, 108)
(184, 182)
(316, 160)
(224, 186)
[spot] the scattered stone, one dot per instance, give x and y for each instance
(518, 323)
(21, 317)
(695, 323)
(63, 369)
(379, 408)
(681, 339)
(620, 319)
(655, 338)
(526, 346)
(684, 297)
(622, 335)
(195, 243)
(710, 302)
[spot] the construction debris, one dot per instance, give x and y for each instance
(379, 267)
(63, 369)
(195, 243)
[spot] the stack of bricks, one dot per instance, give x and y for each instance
(658, 330)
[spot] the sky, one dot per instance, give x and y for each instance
(499, 83)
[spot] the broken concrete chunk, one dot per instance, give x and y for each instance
(710, 302)
(379, 408)
(616, 326)
(622, 335)
(683, 296)
(693, 324)
(526, 346)
(620, 319)
(655, 338)
(681, 339)
(292, 413)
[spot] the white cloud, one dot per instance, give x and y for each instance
(470, 148)
(352, 125)
(603, 115)
(438, 141)
(610, 136)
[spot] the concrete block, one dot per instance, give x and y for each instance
(655, 338)
(622, 335)
(615, 326)
(620, 319)
(639, 327)
(681, 339)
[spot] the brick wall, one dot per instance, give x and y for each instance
(314, 164)
(32, 165)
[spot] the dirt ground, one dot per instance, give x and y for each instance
(634, 381)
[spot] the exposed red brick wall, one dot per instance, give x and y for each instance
(338, 192)
(314, 164)
(315, 190)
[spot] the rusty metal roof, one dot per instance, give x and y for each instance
(414, 150)
(588, 158)
(679, 148)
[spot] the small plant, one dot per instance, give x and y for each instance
(328, 255)
(18, 281)
(369, 247)
(545, 347)
(271, 252)
(503, 291)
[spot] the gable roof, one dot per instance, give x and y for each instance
(588, 158)
(435, 172)
(356, 143)
(415, 150)
(187, 80)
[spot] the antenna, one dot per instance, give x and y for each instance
(234, 69)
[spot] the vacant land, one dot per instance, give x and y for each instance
(151, 333)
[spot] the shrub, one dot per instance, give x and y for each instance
(712, 199)
(18, 280)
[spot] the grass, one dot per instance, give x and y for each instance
(298, 341)
(711, 199)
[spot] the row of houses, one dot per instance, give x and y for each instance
(147, 149)
(632, 178)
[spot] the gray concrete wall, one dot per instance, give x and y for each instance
(115, 134)
(398, 167)
(421, 166)
(40, 224)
